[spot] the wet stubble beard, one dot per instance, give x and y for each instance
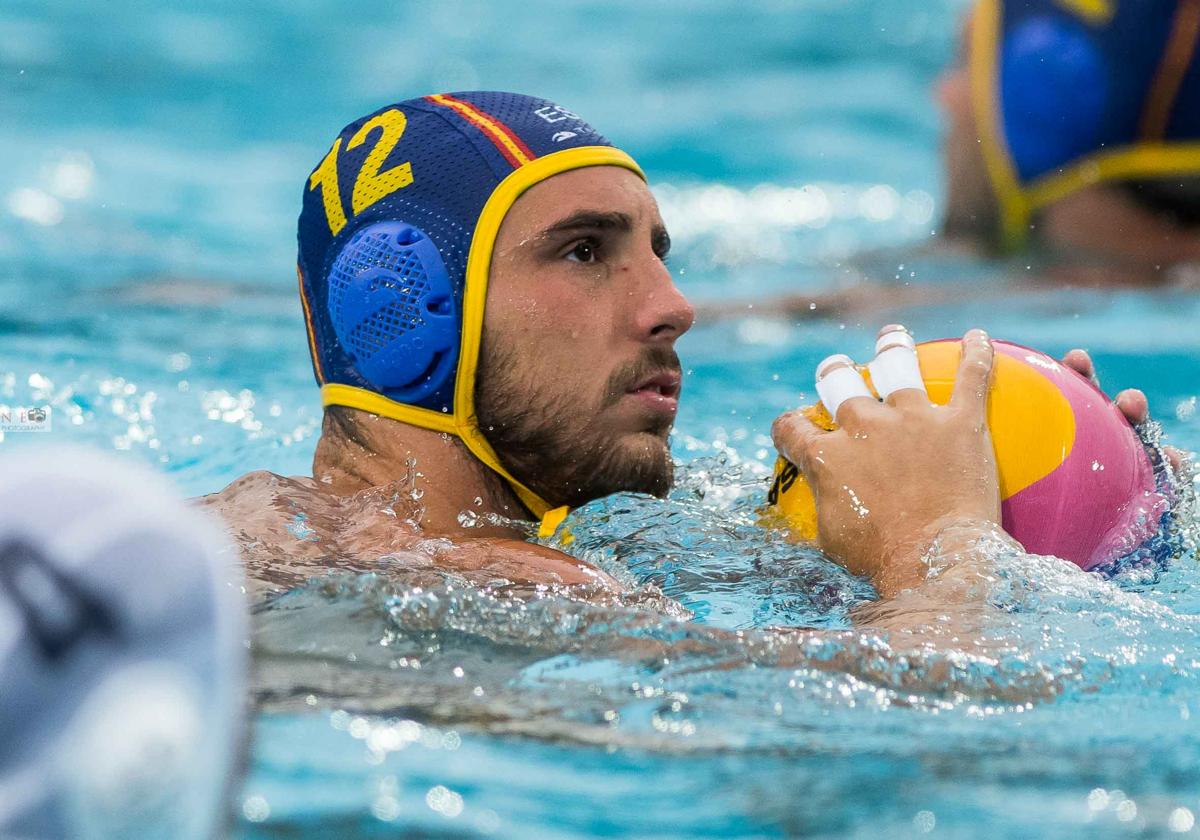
(559, 448)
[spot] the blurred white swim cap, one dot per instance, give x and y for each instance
(122, 656)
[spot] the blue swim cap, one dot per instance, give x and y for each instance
(396, 238)
(1069, 93)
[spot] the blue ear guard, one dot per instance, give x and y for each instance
(393, 310)
(1055, 85)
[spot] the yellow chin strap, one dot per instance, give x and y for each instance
(463, 422)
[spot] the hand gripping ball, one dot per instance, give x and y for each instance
(1075, 480)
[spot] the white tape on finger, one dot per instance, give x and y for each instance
(894, 370)
(894, 335)
(838, 381)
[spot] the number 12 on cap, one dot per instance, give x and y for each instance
(370, 184)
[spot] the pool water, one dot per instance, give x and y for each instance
(155, 161)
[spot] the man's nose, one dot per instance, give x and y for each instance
(665, 313)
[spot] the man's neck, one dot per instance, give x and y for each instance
(1103, 222)
(455, 492)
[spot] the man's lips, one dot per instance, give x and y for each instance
(659, 392)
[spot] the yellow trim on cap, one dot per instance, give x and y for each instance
(479, 264)
(552, 521)
(1095, 12)
(1145, 161)
(1017, 204)
(463, 422)
(369, 401)
(985, 101)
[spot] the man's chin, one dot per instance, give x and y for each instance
(638, 463)
(643, 465)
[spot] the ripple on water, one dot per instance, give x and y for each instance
(1063, 683)
(1038, 640)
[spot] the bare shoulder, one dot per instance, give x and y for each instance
(278, 525)
(260, 502)
(288, 530)
(522, 562)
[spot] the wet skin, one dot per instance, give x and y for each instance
(584, 313)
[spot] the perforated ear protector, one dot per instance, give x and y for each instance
(1067, 94)
(453, 165)
(394, 311)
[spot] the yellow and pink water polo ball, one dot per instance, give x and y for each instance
(1076, 482)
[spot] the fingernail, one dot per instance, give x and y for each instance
(891, 328)
(831, 363)
(977, 334)
(894, 335)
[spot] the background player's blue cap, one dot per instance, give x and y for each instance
(396, 237)
(1069, 93)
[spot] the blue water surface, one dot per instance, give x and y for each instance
(155, 158)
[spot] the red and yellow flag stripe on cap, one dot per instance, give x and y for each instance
(464, 422)
(1181, 46)
(505, 139)
(308, 324)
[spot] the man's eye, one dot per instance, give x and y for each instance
(662, 246)
(584, 252)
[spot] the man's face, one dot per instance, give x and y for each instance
(578, 380)
(971, 209)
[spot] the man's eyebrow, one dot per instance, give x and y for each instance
(593, 219)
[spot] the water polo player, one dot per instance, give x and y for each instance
(492, 328)
(1076, 125)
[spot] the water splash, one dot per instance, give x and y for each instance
(767, 646)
